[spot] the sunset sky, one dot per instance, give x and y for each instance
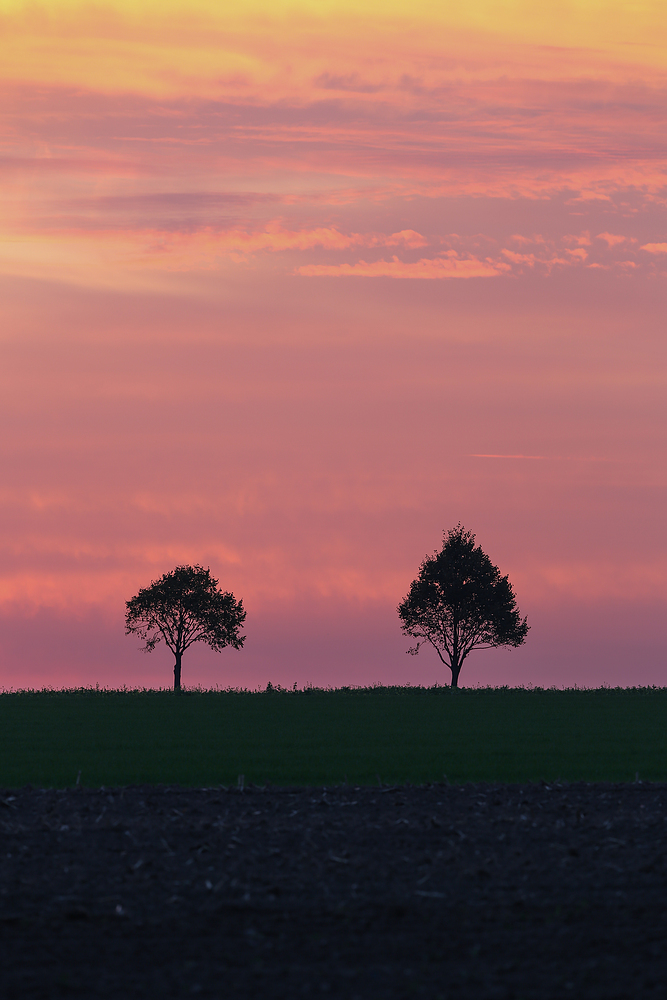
(288, 289)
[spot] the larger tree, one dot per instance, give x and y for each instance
(183, 607)
(460, 602)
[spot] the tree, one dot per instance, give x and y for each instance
(183, 607)
(460, 602)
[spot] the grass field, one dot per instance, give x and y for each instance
(328, 737)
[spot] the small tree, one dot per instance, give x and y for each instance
(183, 607)
(460, 602)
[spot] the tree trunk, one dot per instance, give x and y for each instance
(454, 661)
(177, 674)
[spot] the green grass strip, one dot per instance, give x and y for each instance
(317, 737)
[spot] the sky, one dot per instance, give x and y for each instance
(289, 289)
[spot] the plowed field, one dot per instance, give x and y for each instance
(472, 891)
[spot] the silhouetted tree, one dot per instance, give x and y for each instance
(460, 602)
(183, 607)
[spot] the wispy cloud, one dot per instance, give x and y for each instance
(444, 266)
(541, 458)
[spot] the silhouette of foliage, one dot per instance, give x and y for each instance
(460, 602)
(183, 607)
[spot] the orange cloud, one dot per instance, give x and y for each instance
(611, 239)
(111, 257)
(101, 256)
(406, 237)
(443, 266)
(520, 258)
(578, 239)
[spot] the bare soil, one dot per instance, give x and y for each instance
(476, 891)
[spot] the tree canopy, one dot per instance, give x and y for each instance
(460, 602)
(183, 607)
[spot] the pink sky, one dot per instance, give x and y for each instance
(289, 292)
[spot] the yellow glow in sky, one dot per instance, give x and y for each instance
(275, 50)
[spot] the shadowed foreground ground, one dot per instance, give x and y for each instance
(439, 891)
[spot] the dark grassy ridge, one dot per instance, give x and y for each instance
(316, 737)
